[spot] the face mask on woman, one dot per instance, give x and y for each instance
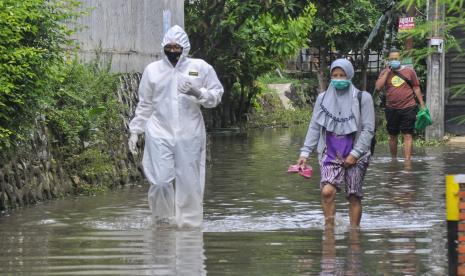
(340, 84)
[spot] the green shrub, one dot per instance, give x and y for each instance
(33, 42)
(84, 117)
(267, 107)
(279, 118)
(84, 111)
(42, 85)
(93, 168)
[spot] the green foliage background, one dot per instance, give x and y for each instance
(43, 85)
(84, 117)
(453, 28)
(245, 39)
(33, 43)
(345, 25)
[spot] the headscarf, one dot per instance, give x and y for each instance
(335, 110)
(177, 35)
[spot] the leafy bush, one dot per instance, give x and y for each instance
(42, 85)
(84, 117)
(84, 111)
(262, 118)
(33, 42)
(90, 165)
(246, 39)
(268, 110)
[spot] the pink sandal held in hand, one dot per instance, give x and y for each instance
(305, 171)
(293, 169)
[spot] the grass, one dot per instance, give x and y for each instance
(279, 118)
(268, 110)
(273, 77)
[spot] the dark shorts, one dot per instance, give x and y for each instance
(401, 120)
(351, 178)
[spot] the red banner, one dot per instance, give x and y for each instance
(406, 23)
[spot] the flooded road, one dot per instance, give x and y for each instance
(258, 221)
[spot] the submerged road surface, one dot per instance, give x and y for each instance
(258, 221)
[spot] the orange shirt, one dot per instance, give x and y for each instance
(399, 95)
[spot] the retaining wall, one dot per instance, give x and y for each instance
(34, 172)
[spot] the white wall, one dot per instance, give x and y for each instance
(128, 32)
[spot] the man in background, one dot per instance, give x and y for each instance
(401, 86)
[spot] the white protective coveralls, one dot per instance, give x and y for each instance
(174, 154)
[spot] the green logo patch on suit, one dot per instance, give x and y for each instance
(193, 73)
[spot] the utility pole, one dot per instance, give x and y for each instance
(436, 70)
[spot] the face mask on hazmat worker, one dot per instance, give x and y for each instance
(173, 52)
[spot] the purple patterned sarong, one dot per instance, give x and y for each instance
(332, 167)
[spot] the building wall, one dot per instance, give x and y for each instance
(455, 75)
(126, 32)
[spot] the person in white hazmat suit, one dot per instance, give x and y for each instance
(171, 92)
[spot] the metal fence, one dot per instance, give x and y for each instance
(309, 60)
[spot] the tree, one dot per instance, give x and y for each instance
(343, 26)
(453, 27)
(244, 39)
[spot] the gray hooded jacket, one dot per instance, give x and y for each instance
(364, 118)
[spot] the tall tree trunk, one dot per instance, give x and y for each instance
(387, 35)
(250, 95)
(365, 60)
(226, 103)
(241, 109)
(322, 82)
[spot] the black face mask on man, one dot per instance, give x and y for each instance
(173, 57)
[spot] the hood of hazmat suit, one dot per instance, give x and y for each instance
(175, 132)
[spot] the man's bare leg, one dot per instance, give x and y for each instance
(393, 146)
(408, 146)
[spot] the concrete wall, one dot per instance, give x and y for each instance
(128, 32)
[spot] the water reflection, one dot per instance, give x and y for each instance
(61, 238)
(351, 264)
(328, 259)
(354, 254)
(402, 183)
(177, 253)
(258, 221)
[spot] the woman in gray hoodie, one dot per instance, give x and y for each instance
(341, 131)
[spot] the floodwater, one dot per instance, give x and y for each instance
(258, 221)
